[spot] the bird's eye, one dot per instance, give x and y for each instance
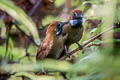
(75, 14)
(59, 24)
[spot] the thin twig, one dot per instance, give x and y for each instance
(26, 55)
(26, 35)
(8, 29)
(3, 16)
(90, 40)
(34, 8)
(29, 14)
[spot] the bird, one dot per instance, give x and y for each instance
(73, 30)
(53, 44)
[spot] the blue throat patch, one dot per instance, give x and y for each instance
(76, 22)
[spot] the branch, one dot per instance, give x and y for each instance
(34, 8)
(93, 45)
(8, 29)
(90, 40)
(35, 77)
(47, 64)
(3, 16)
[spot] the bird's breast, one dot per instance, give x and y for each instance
(74, 35)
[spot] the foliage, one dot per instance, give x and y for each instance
(26, 23)
(99, 60)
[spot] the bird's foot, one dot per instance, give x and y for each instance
(67, 53)
(43, 72)
(79, 46)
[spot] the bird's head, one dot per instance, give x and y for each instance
(76, 18)
(55, 28)
(77, 14)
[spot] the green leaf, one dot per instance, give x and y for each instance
(19, 15)
(117, 29)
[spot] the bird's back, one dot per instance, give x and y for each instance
(44, 49)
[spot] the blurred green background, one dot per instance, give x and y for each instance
(21, 34)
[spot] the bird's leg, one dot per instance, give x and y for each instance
(43, 71)
(66, 51)
(79, 46)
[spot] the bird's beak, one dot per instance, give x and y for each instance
(80, 16)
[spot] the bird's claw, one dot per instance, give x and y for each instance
(79, 46)
(43, 72)
(68, 54)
